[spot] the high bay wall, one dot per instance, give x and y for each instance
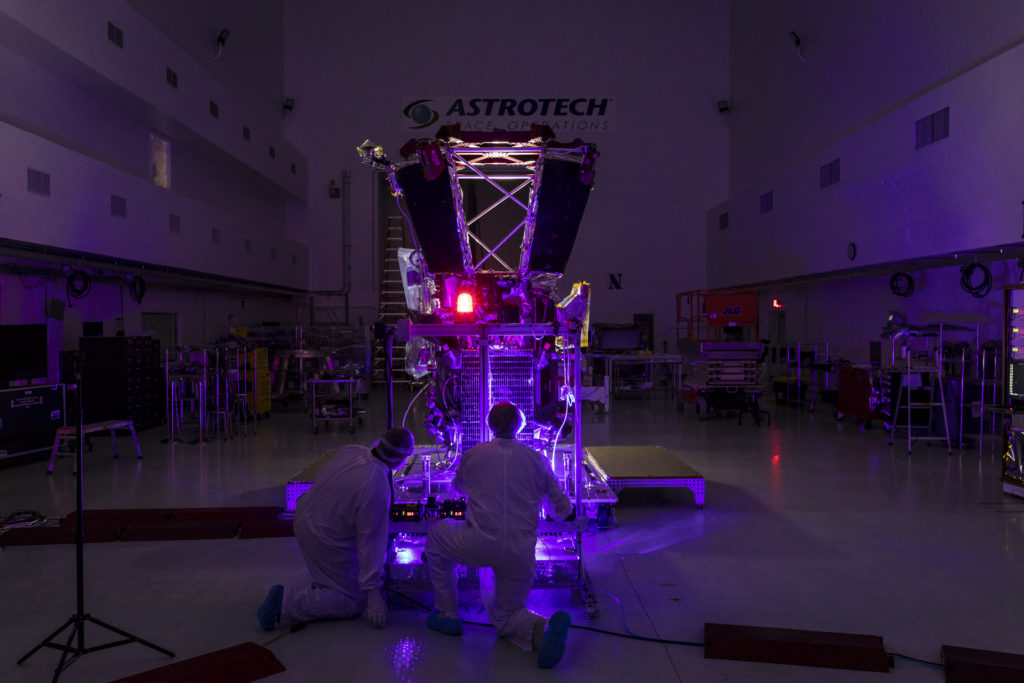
(79, 108)
(87, 106)
(871, 71)
(355, 69)
(866, 74)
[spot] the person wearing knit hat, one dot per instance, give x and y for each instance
(505, 483)
(341, 525)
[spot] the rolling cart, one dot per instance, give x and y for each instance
(328, 400)
(732, 380)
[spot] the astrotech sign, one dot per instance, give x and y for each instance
(488, 113)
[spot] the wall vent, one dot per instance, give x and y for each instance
(38, 182)
(273, 152)
(214, 110)
(767, 201)
(829, 174)
(245, 132)
(215, 235)
(293, 169)
(174, 225)
(118, 206)
(172, 77)
(931, 128)
(723, 220)
(115, 35)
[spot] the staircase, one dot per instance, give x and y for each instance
(391, 305)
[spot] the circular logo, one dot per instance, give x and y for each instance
(420, 113)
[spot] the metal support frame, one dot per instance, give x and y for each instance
(490, 163)
(484, 332)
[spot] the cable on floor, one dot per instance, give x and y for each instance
(22, 518)
(665, 641)
(631, 636)
(915, 660)
(293, 629)
(622, 610)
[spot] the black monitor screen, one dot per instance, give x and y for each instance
(22, 354)
(1017, 379)
(616, 338)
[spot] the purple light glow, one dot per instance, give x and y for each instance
(403, 655)
(649, 539)
(408, 549)
(293, 491)
(405, 556)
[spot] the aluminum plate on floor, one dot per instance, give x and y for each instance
(643, 467)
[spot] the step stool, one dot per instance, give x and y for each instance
(69, 434)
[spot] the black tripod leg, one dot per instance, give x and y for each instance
(47, 640)
(64, 661)
(133, 638)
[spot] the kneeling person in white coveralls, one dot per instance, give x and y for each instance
(341, 524)
(505, 484)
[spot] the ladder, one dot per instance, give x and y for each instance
(917, 383)
(391, 305)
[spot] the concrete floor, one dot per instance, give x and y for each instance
(808, 524)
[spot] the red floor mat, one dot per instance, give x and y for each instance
(185, 531)
(270, 528)
(162, 524)
(122, 517)
(43, 535)
(238, 664)
(241, 514)
(65, 533)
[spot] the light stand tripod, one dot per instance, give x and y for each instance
(77, 621)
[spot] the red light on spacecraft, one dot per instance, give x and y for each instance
(464, 304)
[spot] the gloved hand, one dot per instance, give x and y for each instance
(376, 608)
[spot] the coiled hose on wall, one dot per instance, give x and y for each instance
(967, 280)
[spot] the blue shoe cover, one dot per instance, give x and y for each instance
(552, 647)
(270, 610)
(449, 627)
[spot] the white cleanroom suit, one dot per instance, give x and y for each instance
(505, 484)
(341, 524)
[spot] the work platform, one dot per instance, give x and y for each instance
(621, 467)
(596, 491)
(558, 550)
(609, 470)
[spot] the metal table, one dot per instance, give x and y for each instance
(672, 362)
(351, 411)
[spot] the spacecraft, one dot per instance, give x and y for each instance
(493, 216)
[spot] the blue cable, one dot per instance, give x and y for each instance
(622, 610)
(915, 660)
